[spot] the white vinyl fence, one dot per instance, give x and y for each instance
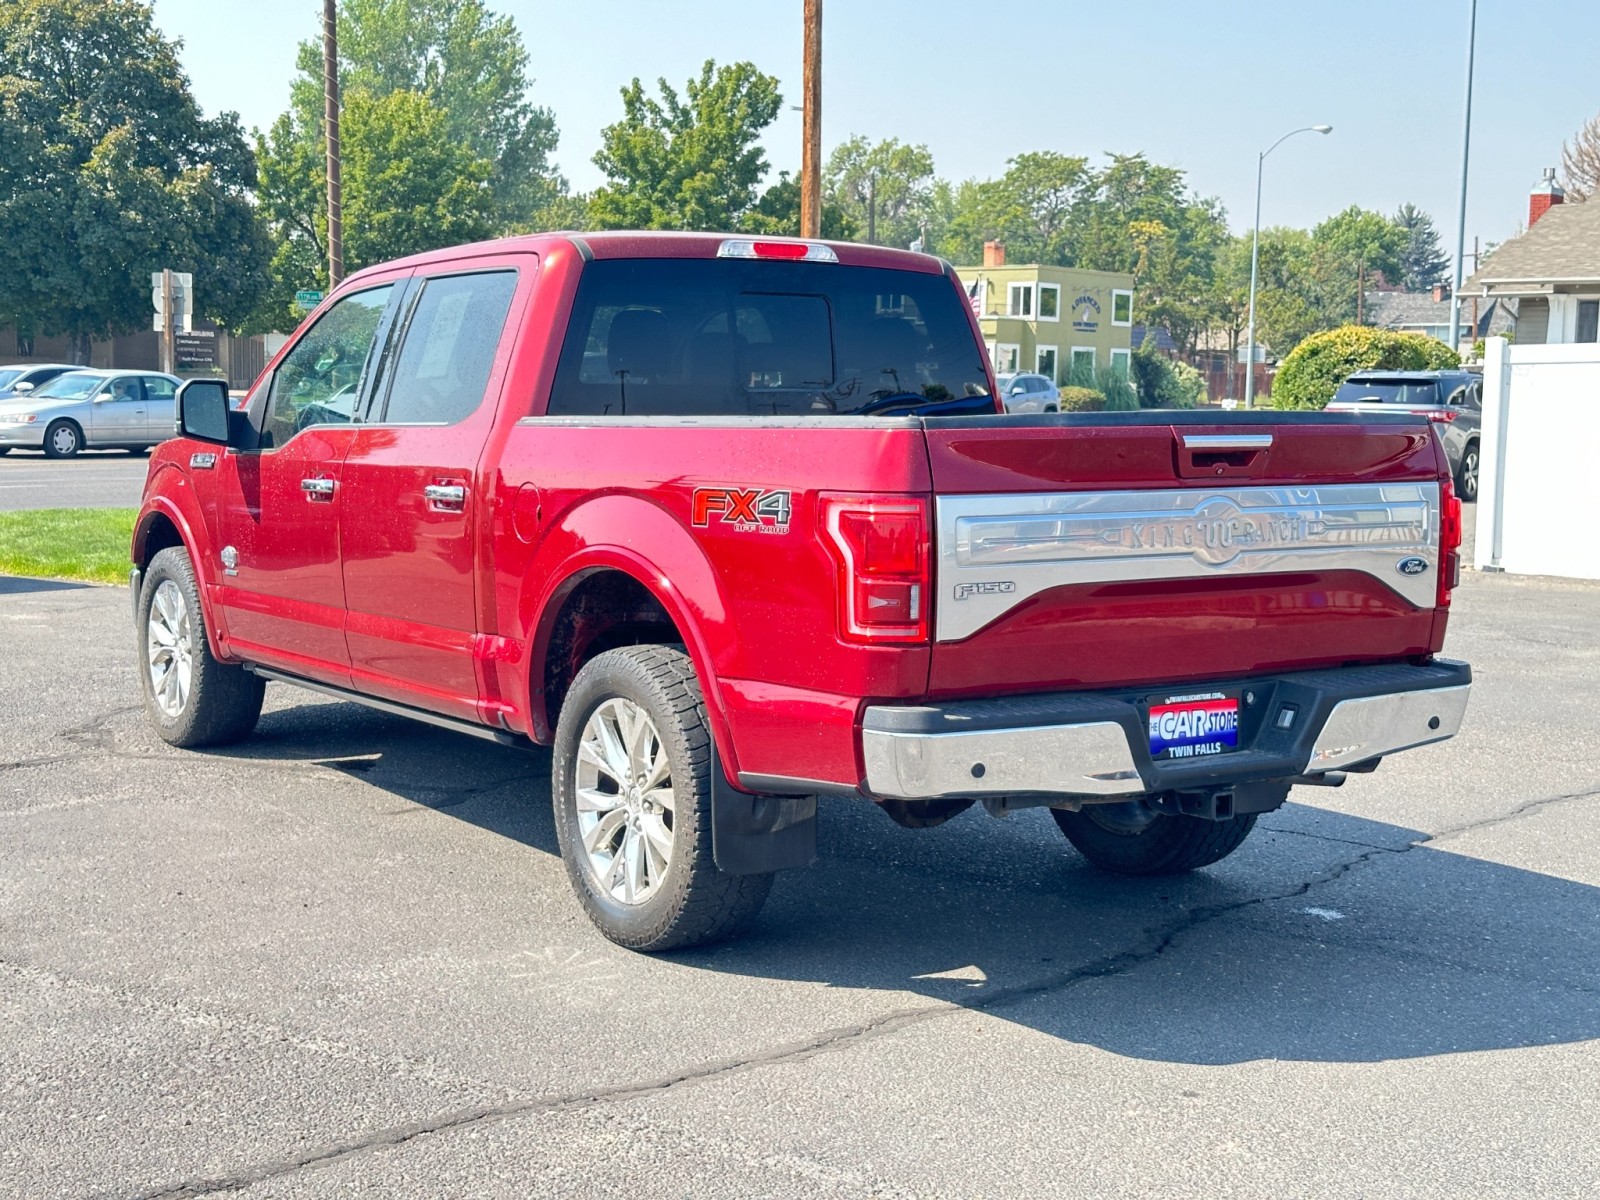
(1540, 460)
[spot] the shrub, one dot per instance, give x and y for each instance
(1116, 388)
(1191, 385)
(1081, 399)
(1315, 368)
(1153, 377)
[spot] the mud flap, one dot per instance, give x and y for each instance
(752, 835)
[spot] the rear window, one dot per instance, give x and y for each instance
(1419, 392)
(725, 337)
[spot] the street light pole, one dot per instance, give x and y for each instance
(1255, 253)
(1461, 217)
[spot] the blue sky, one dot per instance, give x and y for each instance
(1203, 85)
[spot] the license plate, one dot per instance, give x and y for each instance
(1194, 726)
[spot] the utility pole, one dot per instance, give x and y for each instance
(330, 115)
(169, 321)
(872, 207)
(811, 152)
(1474, 298)
(1461, 220)
(1361, 292)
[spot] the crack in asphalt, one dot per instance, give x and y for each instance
(824, 1042)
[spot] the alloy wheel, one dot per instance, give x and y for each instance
(170, 649)
(625, 801)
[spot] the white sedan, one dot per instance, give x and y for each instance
(88, 410)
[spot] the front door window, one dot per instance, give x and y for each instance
(320, 382)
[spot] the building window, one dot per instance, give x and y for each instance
(1049, 302)
(1588, 321)
(1121, 307)
(1119, 362)
(1019, 300)
(1046, 364)
(1083, 365)
(1007, 358)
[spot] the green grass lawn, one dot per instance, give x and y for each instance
(67, 543)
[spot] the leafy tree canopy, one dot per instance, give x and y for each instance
(900, 178)
(108, 172)
(1423, 261)
(686, 162)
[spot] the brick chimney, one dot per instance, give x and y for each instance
(1545, 196)
(1441, 293)
(994, 254)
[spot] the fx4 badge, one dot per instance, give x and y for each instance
(748, 509)
(998, 587)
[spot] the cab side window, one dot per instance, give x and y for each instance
(320, 382)
(444, 363)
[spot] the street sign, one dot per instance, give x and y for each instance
(182, 301)
(306, 299)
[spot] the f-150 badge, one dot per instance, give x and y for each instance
(749, 509)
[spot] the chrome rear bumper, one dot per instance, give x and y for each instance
(1095, 745)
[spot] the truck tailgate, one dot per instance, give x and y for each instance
(1123, 549)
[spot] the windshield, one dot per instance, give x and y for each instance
(1417, 392)
(74, 385)
(734, 337)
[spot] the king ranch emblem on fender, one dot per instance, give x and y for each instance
(749, 510)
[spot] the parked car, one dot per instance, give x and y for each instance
(88, 410)
(729, 523)
(1025, 393)
(22, 378)
(1452, 400)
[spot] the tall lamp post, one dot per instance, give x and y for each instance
(1255, 251)
(1461, 215)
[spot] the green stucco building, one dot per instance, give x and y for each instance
(1049, 319)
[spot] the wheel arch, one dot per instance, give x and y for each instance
(170, 517)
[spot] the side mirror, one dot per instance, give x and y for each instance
(22, 388)
(202, 410)
(1017, 389)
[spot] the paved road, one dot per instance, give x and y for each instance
(95, 479)
(343, 958)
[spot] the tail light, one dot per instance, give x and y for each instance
(1449, 541)
(1441, 416)
(882, 548)
(788, 250)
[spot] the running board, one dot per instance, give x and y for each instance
(470, 728)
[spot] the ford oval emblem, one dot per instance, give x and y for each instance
(1411, 566)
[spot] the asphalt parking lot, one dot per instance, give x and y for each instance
(342, 959)
(95, 479)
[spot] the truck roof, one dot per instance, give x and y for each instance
(664, 244)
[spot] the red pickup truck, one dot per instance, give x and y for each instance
(731, 523)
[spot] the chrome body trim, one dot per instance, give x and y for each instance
(1227, 441)
(996, 551)
(1358, 730)
(1090, 760)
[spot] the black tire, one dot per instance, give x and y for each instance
(63, 439)
(138, 451)
(1467, 475)
(223, 702)
(694, 902)
(1130, 839)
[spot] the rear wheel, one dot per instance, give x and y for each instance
(1467, 475)
(632, 792)
(63, 440)
(1134, 839)
(191, 697)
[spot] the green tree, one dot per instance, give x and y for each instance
(1311, 374)
(110, 172)
(899, 177)
(472, 67)
(689, 162)
(778, 213)
(1423, 261)
(1030, 208)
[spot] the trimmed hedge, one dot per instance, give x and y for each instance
(1081, 399)
(1314, 369)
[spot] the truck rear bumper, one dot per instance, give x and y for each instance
(1096, 745)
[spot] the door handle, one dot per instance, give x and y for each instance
(317, 489)
(445, 497)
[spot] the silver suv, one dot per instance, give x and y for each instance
(1452, 400)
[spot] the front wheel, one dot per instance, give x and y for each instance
(63, 440)
(632, 792)
(1132, 838)
(192, 698)
(1467, 475)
